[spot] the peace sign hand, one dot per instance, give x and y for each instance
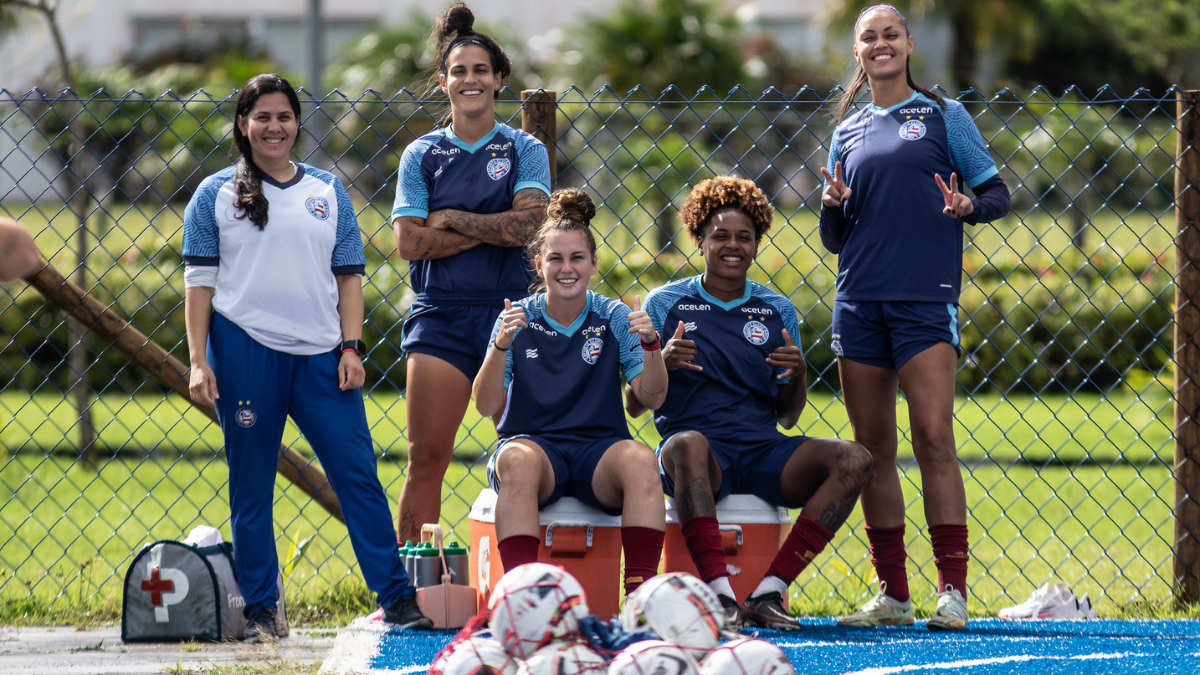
(958, 205)
(837, 192)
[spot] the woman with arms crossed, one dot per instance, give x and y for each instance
(468, 198)
(735, 372)
(893, 212)
(274, 307)
(554, 367)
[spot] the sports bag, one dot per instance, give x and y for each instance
(178, 591)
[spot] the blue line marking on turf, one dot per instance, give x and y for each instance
(988, 647)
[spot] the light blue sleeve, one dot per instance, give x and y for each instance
(348, 254)
(508, 356)
(201, 234)
(658, 303)
(533, 164)
(412, 187)
(968, 151)
(630, 344)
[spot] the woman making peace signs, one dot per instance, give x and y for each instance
(893, 212)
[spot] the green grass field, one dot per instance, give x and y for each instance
(68, 531)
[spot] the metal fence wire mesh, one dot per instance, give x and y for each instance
(1063, 414)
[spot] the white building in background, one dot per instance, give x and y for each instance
(102, 32)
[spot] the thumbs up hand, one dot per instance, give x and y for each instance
(639, 322)
(512, 319)
(787, 357)
(680, 353)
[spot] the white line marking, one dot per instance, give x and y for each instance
(951, 665)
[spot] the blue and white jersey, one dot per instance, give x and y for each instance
(898, 245)
(567, 379)
(439, 171)
(277, 284)
(737, 389)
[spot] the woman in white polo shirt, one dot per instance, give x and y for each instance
(274, 303)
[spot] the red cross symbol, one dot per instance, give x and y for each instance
(156, 586)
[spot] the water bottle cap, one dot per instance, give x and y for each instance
(427, 550)
(454, 549)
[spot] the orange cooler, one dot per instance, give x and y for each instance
(752, 531)
(582, 540)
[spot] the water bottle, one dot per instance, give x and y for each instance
(409, 553)
(456, 560)
(429, 566)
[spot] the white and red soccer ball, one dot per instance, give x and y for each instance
(680, 609)
(534, 605)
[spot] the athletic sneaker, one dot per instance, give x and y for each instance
(733, 613)
(881, 610)
(407, 614)
(260, 627)
(1086, 611)
(1044, 603)
(951, 611)
(767, 611)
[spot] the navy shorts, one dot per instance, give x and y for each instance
(574, 460)
(455, 333)
(888, 334)
(751, 464)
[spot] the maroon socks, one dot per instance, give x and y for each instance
(888, 557)
(950, 554)
(517, 550)
(643, 549)
(806, 540)
(702, 534)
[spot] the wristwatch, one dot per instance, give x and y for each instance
(357, 346)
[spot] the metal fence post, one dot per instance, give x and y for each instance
(538, 117)
(1187, 349)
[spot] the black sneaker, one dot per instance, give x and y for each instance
(260, 627)
(407, 614)
(767, 611)
(733, 613)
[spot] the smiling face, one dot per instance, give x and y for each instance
(469, 80)
(271, 127)
(729, 244)
(882, 44)
(566, 264)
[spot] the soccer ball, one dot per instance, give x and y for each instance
(562, 658)
(680, 609)
(534, 605)
(747, 656)
(475, 656)
(653, 657)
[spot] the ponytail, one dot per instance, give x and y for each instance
(247, 178)
(454, 28)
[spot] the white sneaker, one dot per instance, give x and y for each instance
(881, 610)
(1046, 600)
(1086, 611)
(951, 611)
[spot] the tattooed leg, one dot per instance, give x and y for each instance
(694, 470)
(826, 477)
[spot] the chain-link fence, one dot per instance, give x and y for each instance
(1064, 414)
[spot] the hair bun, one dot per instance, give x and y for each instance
(571, 204)
(457, 20)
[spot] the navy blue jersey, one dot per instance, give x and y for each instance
(737, 388)
(898, 245)
(567, 379)
(439, 171)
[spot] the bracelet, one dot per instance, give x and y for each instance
(653, 346)
(348, 349)
(497, 347)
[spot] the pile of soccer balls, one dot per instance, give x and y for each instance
(535, 615)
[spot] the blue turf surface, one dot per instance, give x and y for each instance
(989, 647)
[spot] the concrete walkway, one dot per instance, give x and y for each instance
(67, 651)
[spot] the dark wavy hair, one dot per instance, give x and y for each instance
(247, 180)
(570, 210)
(859, 79)
(455, 28)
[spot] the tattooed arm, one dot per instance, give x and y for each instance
(507, 228)
(417, 241)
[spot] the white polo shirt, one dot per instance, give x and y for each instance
(277, 284)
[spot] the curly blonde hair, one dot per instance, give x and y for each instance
(726, 192)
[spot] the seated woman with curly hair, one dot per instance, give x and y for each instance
(735, 371)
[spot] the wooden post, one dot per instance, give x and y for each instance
(1187, 350)
(167, 371)
(538, 117)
